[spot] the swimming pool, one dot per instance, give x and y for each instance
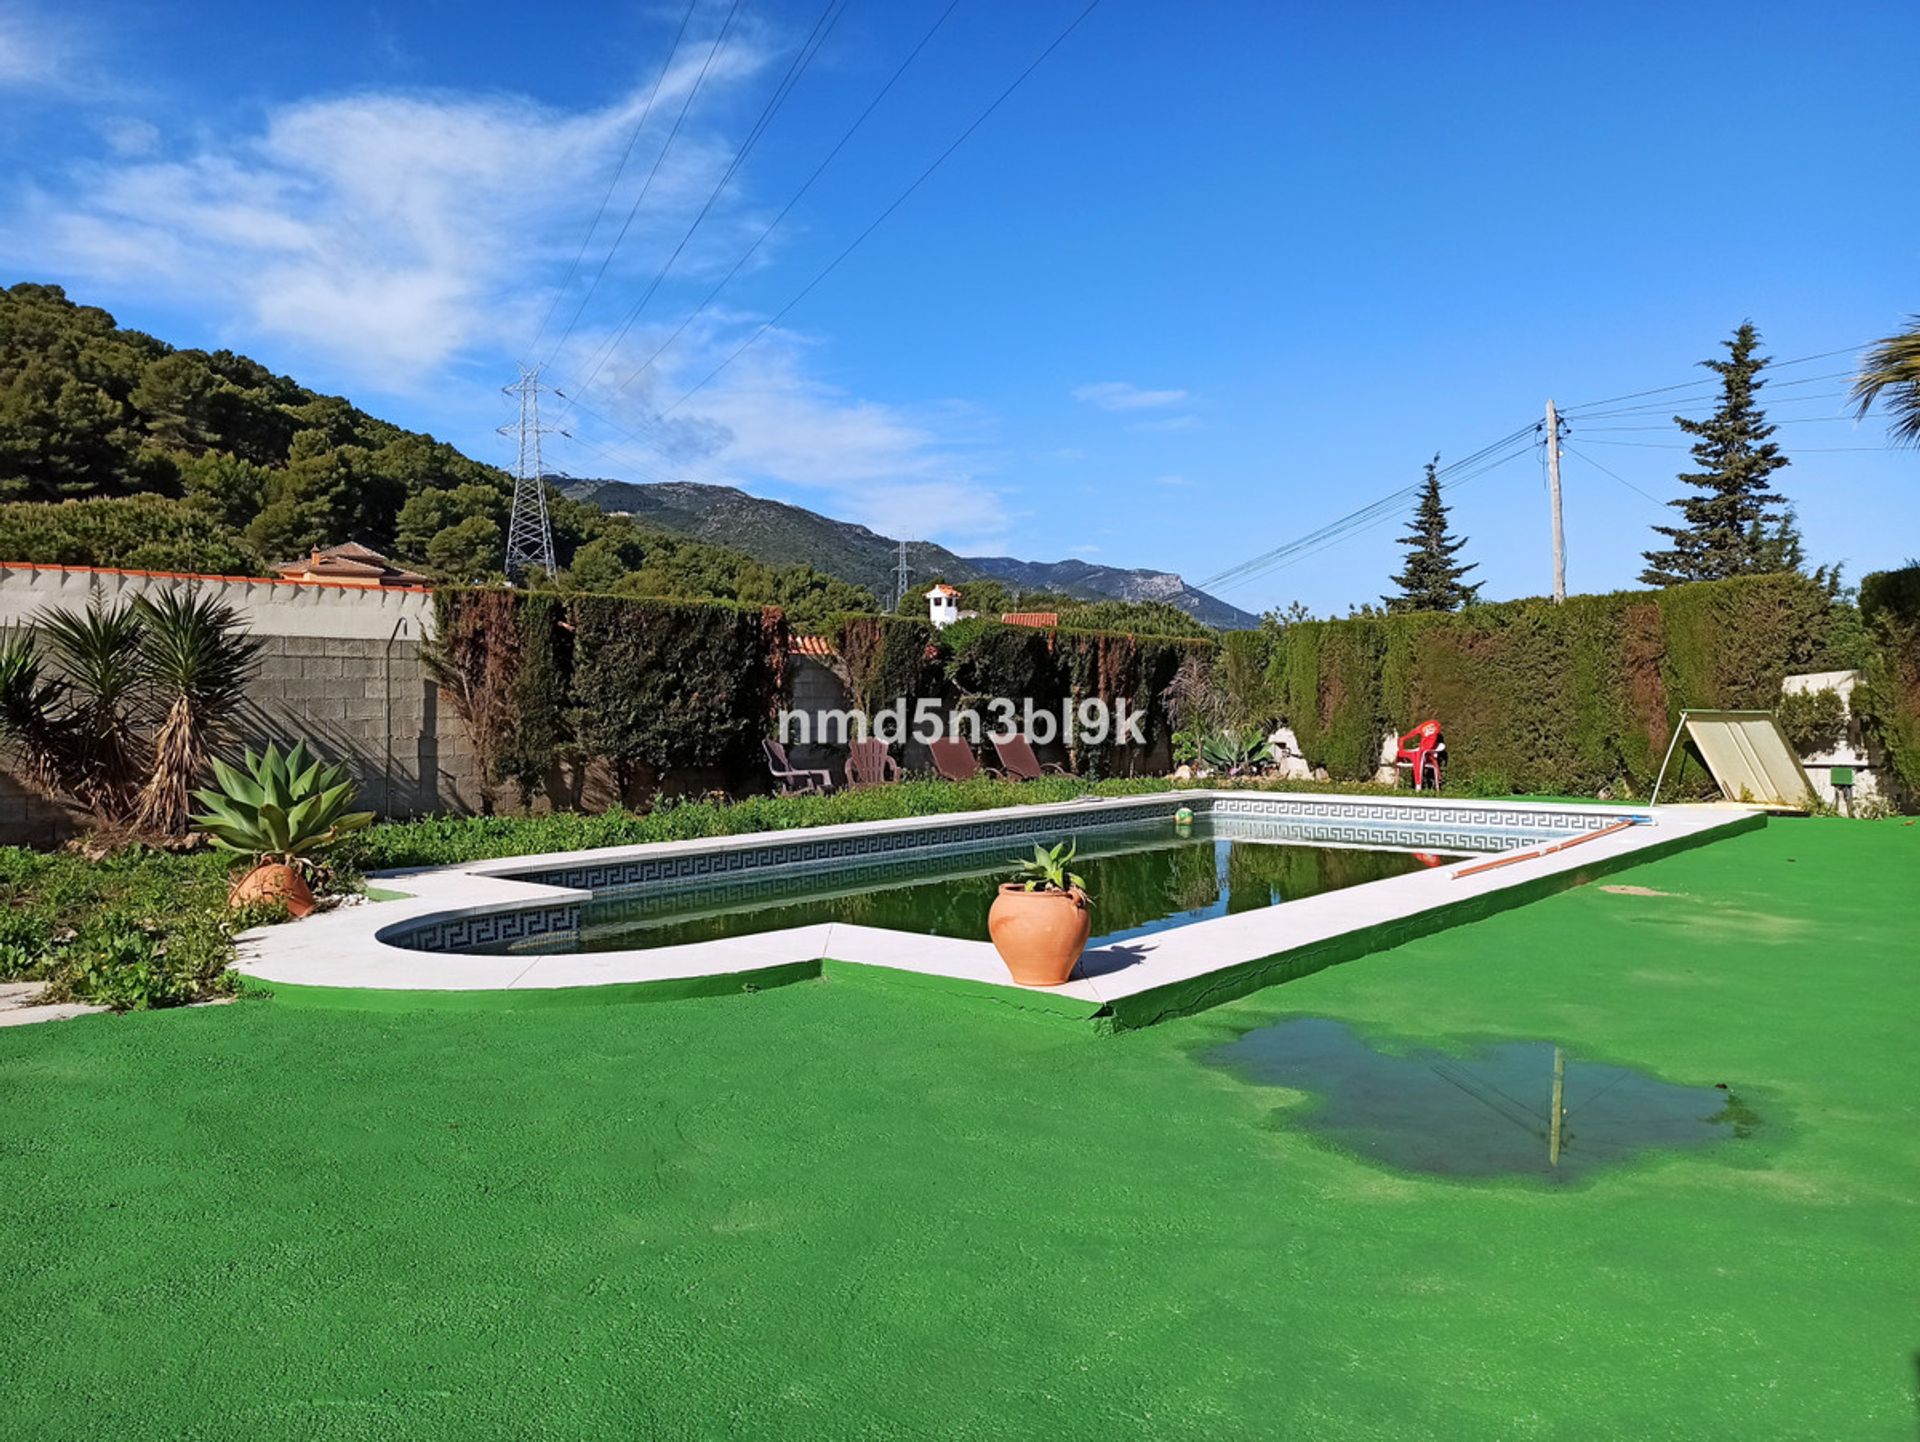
(1267, 886)
(1144, 876)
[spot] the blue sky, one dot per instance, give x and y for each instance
(1214, 276)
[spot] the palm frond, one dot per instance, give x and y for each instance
(1892, 368)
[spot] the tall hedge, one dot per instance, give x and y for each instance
(887, 657)
(1888, 702)
(641, 685)
(1543, 697)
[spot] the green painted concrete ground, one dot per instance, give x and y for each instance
(836, 1211)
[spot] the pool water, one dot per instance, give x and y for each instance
(1143, 879)
(1483, 1113)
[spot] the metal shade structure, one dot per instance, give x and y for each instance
(1749, 757)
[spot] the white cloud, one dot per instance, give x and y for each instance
(766, 424)
(1172, 481)
(399, 240)
(1125, 396)
(129, 136)
(1166, 423)
(35, 53)
(390, 232)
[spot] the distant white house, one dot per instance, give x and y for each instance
(943, 605)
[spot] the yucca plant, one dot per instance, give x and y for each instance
(116, 707)
(88, 720)
(278, 806)
(1047, 871)
(198, 665)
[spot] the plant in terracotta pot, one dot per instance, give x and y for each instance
(280, 809)
(1040, 920)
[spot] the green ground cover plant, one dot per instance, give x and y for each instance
(840, 1210)
(135, 929)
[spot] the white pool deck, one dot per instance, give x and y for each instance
(343, 948)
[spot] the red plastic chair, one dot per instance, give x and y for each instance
(1420, 752)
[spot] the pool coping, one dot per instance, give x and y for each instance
(339, 957)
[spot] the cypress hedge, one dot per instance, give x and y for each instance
(888, 657)
(1887, 703)
(641, 685)
(1535, 696)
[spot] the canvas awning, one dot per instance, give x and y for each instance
(1749, 757)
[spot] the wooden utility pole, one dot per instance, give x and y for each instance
(1553, 494)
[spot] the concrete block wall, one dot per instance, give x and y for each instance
(340, 667)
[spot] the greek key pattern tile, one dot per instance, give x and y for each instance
(490, 931)
(805, 851)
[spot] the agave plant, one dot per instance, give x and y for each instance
(1235, 753)
(1047, 871)
(278, 806)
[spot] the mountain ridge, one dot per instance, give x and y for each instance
(780, 533)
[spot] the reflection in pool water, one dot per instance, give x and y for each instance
(1481, 1114)
(1143, 878)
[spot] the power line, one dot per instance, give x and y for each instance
(1684, 385)
(647, 184)
(1713, 393)
(1771, 420)
(1375, 523)
(881, 218)
(1379, 513)
(792, 201)
(1681, 403)
(1385, 503)
(619, 170)
(1570, 449)
(817, 37)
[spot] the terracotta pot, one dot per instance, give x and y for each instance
(273, 881)
(1039, 934)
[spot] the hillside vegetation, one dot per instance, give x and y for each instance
(116, 449)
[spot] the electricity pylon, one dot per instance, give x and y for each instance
(529, 534)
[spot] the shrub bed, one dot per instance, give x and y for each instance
(135, 929)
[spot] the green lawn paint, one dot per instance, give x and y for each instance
(840, 1210)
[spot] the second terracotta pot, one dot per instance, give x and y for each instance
(1039, 934)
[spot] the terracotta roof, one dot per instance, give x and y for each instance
(943, 589)
(349, 561)
(350, 551)
(813, 646)
(1032, 618)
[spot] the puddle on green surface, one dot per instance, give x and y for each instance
(1484, 1114)
(1143, 879)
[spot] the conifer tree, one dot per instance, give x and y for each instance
(1728, 524)
(1431, 579)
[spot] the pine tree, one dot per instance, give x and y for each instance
(1727, 530)
(1431, 579)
